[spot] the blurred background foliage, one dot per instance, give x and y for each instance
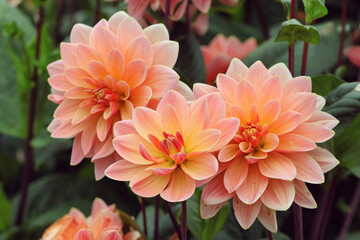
(56, 186)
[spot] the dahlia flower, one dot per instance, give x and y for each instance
(103, 74)
(166, 150)
(274, 152)
(220, 51)
(103, 224)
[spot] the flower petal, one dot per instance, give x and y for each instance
(180, 188)
(165, 53)
(115, 64)
(209, 211)
(84, 234)
(245, 97)
(200, 166)
(315, 132)
(110, 235)
(246, 214)
(178, 102)
(77, 155)
(303, 103)
(235, 174)
(294, 143)
(201, 89)
(303, 196)
(269, 113)
(140, 96)
(286, 122)
(276, 165)
(80, 33)
(215, 192)
(139, 48)
(123, 170)
(148, 121)
(228, 152)
(253, 186)
(227, 87)
(324, 158)
(278, 195)
(308, 170)
(161, 79)
(257, 74)
(148, 184)
(135, 73)
(269, 142)
(204, 141)
(156, 32)
(237, 70)
(271, 90)
(281, 70)
(267, 217)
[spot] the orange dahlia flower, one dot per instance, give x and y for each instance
(274, 152)
(103, 224)
(220, 51)
(104, 73)
(166, 150)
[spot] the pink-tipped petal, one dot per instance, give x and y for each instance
(136, 9)
(84, 234)
(215, 192)
(271, 89)
(56, 67)
(209, 211)
(115, 64)
(156, 33)
(303, 103)
(276, 165)
(116, 19)
(269, 113)
(201, 89)
(178, 102)
(237, 70)
(308, 170)
(161, 79)
(101, 164)
(227, 87)
(200, 165)
(148, 184)
(202, 5)
(315, 132)
(123, 170)
(294, 143)
(297, 85)
(77, 155)
(228, 152)
(267, 217)
(253, 186)
(303, 196)
(68, 54)
(181, 187)
(139, 48)
(245, 214)
(135, 73)
(110, 235)
(324, 158)
(278, 195)
(257, 74)
(80, 33)
(286, 122)
(235, 174)
(124, 127)
(245, 96)
(165, 53)
(60, 82)
(324, 119)
(147, 121)
(281, 70)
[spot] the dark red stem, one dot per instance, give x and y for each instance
(97, 11)
(30, 125)
(167, 14)
(143, 210)
(298, 225)
(187, 16)
(342, 36)
(291, 59)
(269, 235)
(292, 9)
(58, 21)
(349, 216)
(322, 214)
(173, 219)
(183, 221)
(156, 225)
(304, 59)
(261, 16)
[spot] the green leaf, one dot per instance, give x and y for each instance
(314, 9)
(293, 30)
(194, 221)
(320, 58)
(323, 84)
(214, 224)
(190, 64)
(5, 210)
(344, 104)
(278, 236)
(353, 236)
(347, 147)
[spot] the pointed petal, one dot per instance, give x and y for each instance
(286, 122)
(140, 96)
(227, 87)
(200, 166)
(278, 195)
(202, 5)
(165, 53)
(60, 82)
(116, 19)
(324, 158)
(56, 67)
(110, 235)
(115, 64)
(269, 113)
(68, 54)
(308, 170)
(101, 164)
(161, 79)
(123, 170)
(209, 211)
(281, 71)
(84, 234)
(228, 152)
(147, 184)
(253, 186)
(178, 102)
(80, 33)
(245, 96)
(245, 214)
(235, 174)
(324, 119)
(276, 165)
(77, 155)
(294, 143)
(135, 73)
(129, 29)
(237, 70)
(271, 89)
(267, 217)
(139, 48)
(124, 127)
(315, 132)
(257, 74)
(147, 121)
(215, 192)
(303, 196)
(136, 9)
(156, 33)
(102, 128)
(181, 187)
(303, 103)
(297, 85)
(201, 89)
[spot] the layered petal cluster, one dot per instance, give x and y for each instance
(103, 74)
(220, 51)
(274, 152)
(103, 224)
(166, 150)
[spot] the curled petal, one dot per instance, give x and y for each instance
(148, 184)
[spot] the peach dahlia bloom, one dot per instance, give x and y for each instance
(220, 51)
(166, 150)
(274, 152)
(103, 74)
(103, 224)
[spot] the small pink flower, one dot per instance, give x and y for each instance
(353, 54)
(273, 153)
(166, 150)
(103, 224)
(221, 50)
(104, 73)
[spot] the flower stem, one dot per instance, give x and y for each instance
(167, 14)
(304, 59)
(342, 36)
(143, 210)
(349, 216)
(173, 219)
(183, 221)
(156, 225)
(187, 16)
(322, 214)
(292, 48)
(58, 22)
(97, 11)
(269, 234)
(298, 225)
(30, 121)
(261, 15)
